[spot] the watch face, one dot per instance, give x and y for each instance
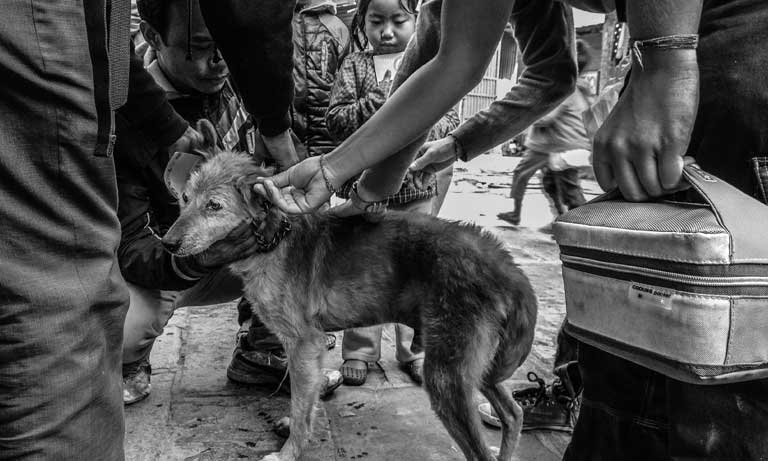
(180, 166)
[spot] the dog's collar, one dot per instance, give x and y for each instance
(265, 245)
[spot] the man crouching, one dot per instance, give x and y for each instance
(184, 62)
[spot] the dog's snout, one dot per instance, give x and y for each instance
(172, 245)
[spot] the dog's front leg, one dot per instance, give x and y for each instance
(304, 366)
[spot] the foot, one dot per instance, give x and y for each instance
(415, 370)
(354, 372)
(136, 382)
(544, 407)
(270, 368)
(511, 217)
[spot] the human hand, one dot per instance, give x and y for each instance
(435, 156)
(299, 189)
(641, 145)
(190, 141)
(282, 149)
(238, 244)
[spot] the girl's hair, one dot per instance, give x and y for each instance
(358, 21)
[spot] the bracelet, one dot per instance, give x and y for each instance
(457, 147)
(365, 205)
(183, 268)
(669, 42)
(328, 184)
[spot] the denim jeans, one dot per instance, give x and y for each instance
(629, 412)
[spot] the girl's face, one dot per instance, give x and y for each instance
(388, 26)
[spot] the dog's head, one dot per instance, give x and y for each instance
(218, 197)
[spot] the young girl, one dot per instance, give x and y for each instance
(380, 27)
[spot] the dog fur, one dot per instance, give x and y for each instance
(475, 307)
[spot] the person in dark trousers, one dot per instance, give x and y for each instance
(67, 72)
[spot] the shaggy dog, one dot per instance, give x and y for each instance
(475, 307)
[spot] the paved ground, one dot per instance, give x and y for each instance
(195, 413)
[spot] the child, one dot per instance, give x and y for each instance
(380, 27)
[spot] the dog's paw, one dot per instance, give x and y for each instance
(272, 457)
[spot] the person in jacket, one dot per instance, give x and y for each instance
(67, 72)
(189, 67)
(320, 43)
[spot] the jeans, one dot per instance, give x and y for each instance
(629, 412)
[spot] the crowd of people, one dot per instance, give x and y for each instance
(94, 112)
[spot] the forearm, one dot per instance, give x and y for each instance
(472, 33)
(544, 33)
(255, 39)
(657, 18)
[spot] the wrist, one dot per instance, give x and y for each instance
(458, 149)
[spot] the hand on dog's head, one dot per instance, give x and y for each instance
(218, 197)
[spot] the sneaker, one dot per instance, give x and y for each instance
(270, 368)
(544, 407)
(136, 385)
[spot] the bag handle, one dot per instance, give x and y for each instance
(744, 217)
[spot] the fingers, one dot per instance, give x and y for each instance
(628, 182)
(670, 170)
(281, 179)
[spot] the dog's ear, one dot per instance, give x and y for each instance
(245, 184)
(210, 145)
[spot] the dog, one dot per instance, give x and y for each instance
(318, 272)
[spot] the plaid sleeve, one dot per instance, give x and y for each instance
(355, 96)
(444, 126)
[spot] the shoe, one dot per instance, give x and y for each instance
(270, 368)
(511, 217)
(415, 370)
(248, 366)
(354, 376)
(330, 341)
(544, 407)
(136, 382)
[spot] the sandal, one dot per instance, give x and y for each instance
(415, 370)
(352, 374)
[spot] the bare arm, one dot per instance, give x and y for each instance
(640, 147)
(469, 34)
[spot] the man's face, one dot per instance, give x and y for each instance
(206, 72)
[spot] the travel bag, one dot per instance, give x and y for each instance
(679, 285)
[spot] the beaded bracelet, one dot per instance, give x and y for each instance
(328, 184)
(669, 42)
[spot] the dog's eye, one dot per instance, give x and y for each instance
(184, 198)
(213, 205)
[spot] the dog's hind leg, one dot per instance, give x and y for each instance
(510, 414)
(304, 365)
(451, 397)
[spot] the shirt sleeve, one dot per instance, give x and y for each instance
(147, 110)
(545, 35)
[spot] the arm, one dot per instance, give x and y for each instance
(470, 31)
(348, 110)
(544, 33)
(147, 110)
(641, 145)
